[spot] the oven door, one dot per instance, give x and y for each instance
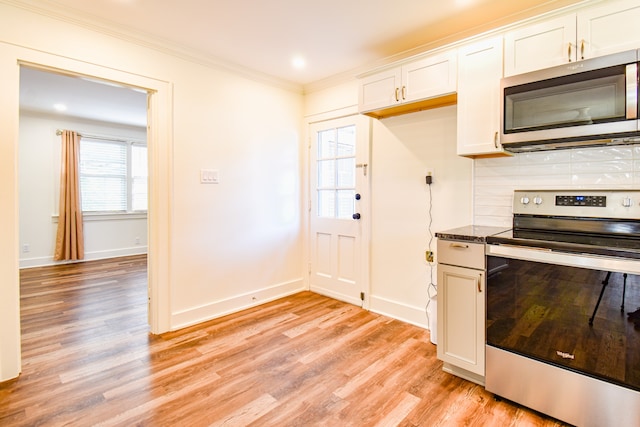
(558, 337)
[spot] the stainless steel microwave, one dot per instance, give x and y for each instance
(590, 102)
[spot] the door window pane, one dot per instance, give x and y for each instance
(327, 144)
(326, 203)
(346, 204)
(347, 141)
(327, 174)
(346, 173)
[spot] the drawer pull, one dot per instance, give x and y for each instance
(480, 283)
(458, 246)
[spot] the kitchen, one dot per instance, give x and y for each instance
(479, 189)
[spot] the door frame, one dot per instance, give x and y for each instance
(364, 123)
(159, 131)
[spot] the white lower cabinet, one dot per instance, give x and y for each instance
(461, 308)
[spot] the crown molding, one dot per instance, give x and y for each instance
(53, 10)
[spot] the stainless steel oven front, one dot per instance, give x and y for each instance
(553, 345)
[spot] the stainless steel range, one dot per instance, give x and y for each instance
(563, 299)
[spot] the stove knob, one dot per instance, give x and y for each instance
(627, 202)
(524, 200)
(537, 200)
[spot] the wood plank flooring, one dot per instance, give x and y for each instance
(304, 360)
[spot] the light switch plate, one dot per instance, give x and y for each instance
(209, 176)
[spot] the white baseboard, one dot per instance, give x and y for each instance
(336, 295)
(234, 304)
(400, 311)
(88, 256)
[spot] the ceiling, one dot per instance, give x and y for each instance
(335, 37)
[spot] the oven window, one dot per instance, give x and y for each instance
(550, 313)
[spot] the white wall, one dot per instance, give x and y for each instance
(404, 149)
(213, 248)
(39, 181)
(598, 167)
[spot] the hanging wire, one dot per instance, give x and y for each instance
(432, 289)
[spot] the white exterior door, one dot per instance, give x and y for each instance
(339, 208)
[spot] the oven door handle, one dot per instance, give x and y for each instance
(593, 262)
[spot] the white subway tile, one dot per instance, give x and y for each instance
(609, 180)
(601, 153)
(546, 157)
(603, 167)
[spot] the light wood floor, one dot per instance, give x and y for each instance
(304, 360)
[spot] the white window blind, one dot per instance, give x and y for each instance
(113, 176)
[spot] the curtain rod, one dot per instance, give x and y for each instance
(104, 137)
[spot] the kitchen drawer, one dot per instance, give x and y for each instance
(463, 254)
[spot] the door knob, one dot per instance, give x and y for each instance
(356, 215)
(357, 196)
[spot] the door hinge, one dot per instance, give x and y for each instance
(309, 206)
(361, 296)
(309, 269)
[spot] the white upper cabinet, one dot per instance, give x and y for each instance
(429, 77)
(478, 122)
(611, 27)
(539, 46)
(380, 90)
(606, 28)
(398, 89)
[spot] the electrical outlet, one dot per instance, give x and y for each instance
(429, 176)
(428, 255)
(137, 240)
(26, 248)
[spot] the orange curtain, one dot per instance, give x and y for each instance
(70, 239)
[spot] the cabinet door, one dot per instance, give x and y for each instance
(479, 73)
(461, 317)
(540, 45)
(429, 77)
(609, 28)
(379, 90)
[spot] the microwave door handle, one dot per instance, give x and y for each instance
(632, 90)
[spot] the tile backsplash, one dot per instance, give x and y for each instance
(494, 180)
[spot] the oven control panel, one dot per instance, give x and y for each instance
(582, 203)
(600, 201)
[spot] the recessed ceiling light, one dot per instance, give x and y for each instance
(298, 62)
(60, 107)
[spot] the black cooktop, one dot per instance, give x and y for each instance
(582, 243)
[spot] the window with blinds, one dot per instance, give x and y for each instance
(113, 176)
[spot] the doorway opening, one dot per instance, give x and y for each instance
(113, 117)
